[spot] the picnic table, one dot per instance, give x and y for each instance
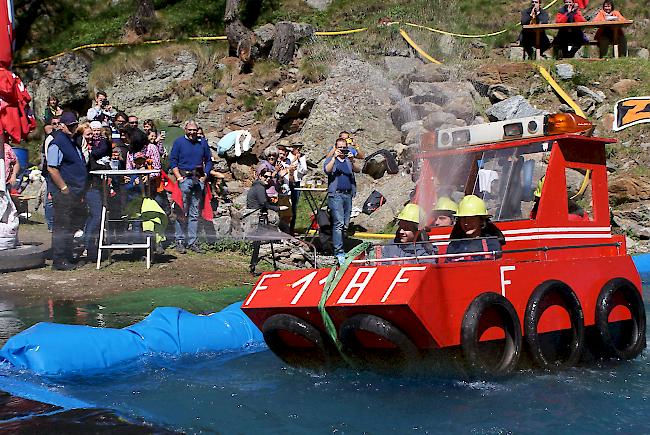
(540, 28)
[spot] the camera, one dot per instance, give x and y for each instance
(105, 103)
(345, 151)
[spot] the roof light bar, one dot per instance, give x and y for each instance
(522, 128)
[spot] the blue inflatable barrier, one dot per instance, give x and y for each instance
(642, 263)
(48, 348)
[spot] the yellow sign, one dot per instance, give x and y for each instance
(631, 111)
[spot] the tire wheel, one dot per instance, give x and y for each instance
(297, 342)
(625, 339)
(24, 257)
(496, 358)
(394, 351)
(557, 349)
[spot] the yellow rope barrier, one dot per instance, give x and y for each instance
(341, 32)
(459, 35)
(417, 47)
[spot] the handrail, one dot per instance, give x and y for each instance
(464, 254)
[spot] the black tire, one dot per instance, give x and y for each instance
(316, 351)
(565, 352)
(491, 359)
(629, 340)
(398, 353)
(24, 257)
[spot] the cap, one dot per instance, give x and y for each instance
(96, 124)
(68, 118)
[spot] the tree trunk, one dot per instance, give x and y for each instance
(241, 40)
(143, 18)
(284, 44)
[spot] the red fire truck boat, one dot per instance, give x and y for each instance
(561, 275)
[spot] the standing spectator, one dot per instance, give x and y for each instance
(68, 173)
(268, 162)
(535, 14)
(50, 130)
(98, 157)
(148, 125)
(607, 36)
(340, 169)
(190, 161)
(121, 121)
(133, 121)
(12, 166)
(297, 170)
(102, 111)
(52, 109)
(82, 138)
(568, 40)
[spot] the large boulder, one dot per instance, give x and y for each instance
(66, 77)
(356, 98)
(634, 218)
(629, 188)
(395, 188)
(146, 93)
(296, 104)
(512, 108)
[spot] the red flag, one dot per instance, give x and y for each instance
(171, 187)
(207, 212)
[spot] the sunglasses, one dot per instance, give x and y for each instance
(266, 175)
(133, 122)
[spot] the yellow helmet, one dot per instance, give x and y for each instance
(411, 213)
(540, 185)
(446, 204)
(471, 205)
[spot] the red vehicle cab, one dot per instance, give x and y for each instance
(560, 274)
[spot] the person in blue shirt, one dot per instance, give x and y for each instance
(190, 160)
(68, 174)
(473, 232)
(340, 169)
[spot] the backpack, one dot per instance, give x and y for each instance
(374, 201)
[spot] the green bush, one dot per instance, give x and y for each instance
(186, 108)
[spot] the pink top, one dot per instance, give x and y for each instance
(150, 152)
(10, 160)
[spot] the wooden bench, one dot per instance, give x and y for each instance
(540, 28)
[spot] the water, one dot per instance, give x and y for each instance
(257, 393)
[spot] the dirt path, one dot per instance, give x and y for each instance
(204, 272)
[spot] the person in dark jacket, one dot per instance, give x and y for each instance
(258, 205)
(69, 174)
(568, 40)
(409, 240)
(534, 14)
(474, 232)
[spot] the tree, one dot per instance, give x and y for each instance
(143, 18)
(241, 40)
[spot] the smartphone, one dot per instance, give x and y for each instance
(162, 133)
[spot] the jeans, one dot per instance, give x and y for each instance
(192, 197)
(94, 221)
(340, 205)
(295, 196)
(48, 206)
(67, 208)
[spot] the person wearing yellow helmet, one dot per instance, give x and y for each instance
(409, 240)
(474, 232)
(443, 212)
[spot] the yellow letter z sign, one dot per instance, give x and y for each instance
(631, 111)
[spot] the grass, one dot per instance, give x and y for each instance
(186, 108)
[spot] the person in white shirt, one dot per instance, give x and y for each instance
(297, 170)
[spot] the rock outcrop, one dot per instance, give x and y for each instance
(147, 93)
